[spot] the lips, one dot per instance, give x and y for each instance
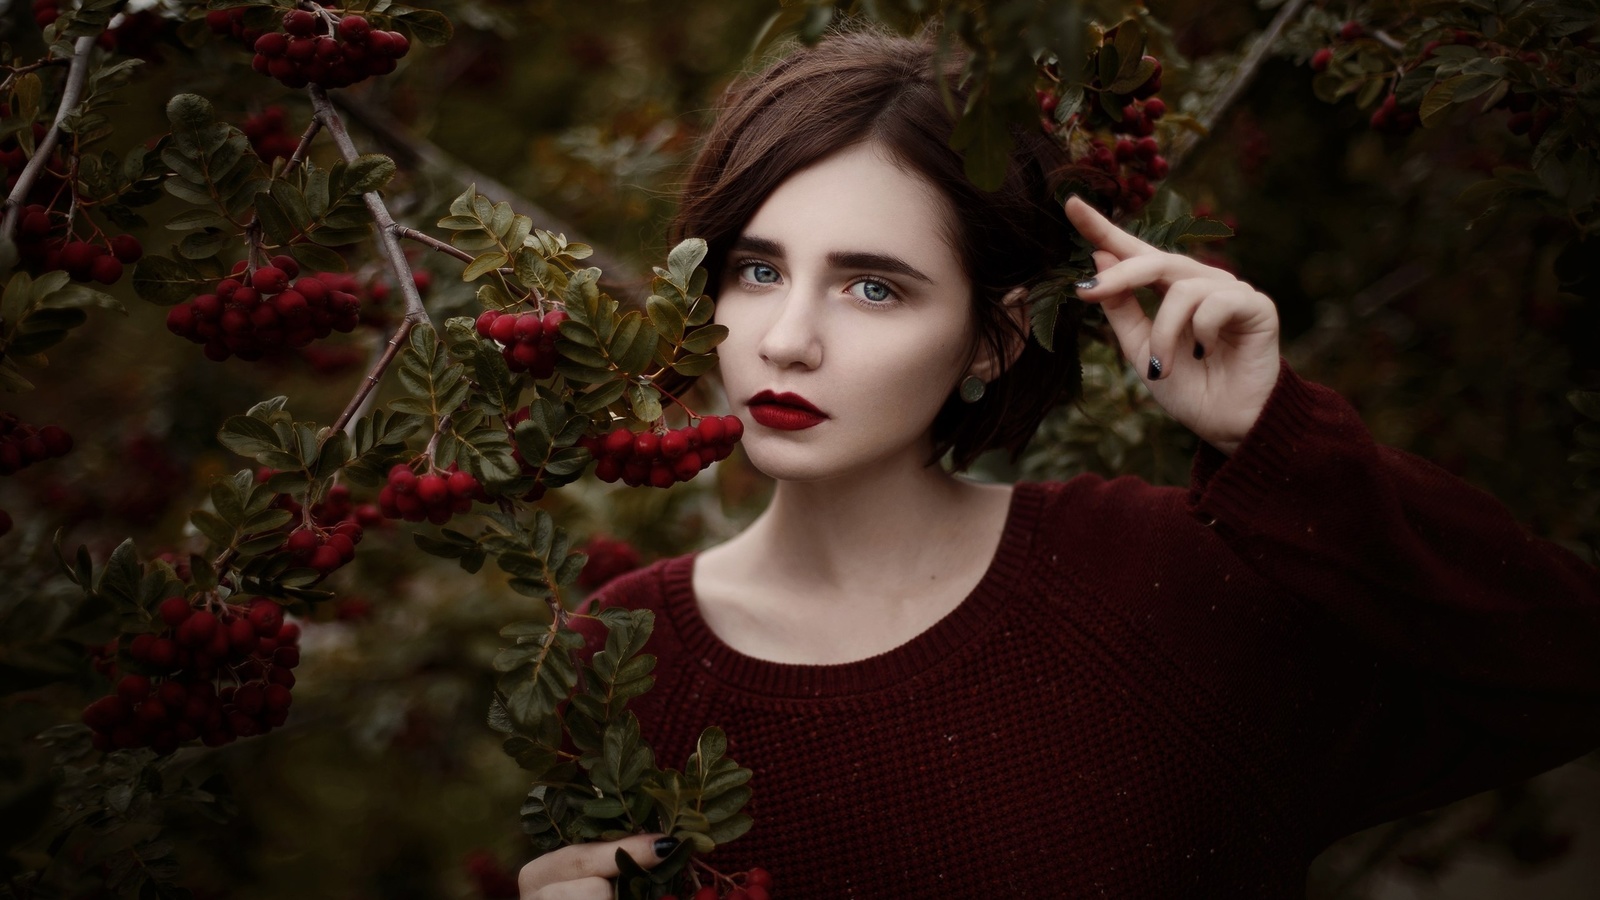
(784, 412)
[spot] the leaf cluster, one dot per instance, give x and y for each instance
(612, 351)
(594, 776)
(36, 314)
(1530, 50)
(306, 461)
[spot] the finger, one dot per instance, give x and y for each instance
(1172, 320)
(596, 860)
(582, 889)
(1123, 313)
(1102, 232)
(1236, 310)
(1158, 270)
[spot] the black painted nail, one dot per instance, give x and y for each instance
(1155, 369)
(1087, 284)
(1199, 350)
(665, 846)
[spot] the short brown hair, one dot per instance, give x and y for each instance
(864, 85)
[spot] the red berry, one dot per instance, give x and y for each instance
(272, 44)
(618, 443)
(432, 490)
(1321, 59)
(758, 877)
(706, 893)
(300, 22)
(1154, 108)
(326, 558)
(269, 280)
(266, 616)
(126, 248)
(355, 29)
(462, 484)
(674, 444)
(485, 323)
(402, 479)
(56, 440)
(1352, 31)
(174, 610)
(133, 688)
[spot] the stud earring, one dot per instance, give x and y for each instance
(972, 388)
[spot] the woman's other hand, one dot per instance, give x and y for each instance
(582, 871)
(1210, 356)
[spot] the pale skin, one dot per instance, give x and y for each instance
(865, 545)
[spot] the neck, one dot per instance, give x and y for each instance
(874, 533)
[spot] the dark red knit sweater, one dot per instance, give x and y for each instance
(1156, 692)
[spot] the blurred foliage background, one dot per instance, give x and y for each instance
(1456, 337)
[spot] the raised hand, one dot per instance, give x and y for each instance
(1210, 356)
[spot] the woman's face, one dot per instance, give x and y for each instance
(849, 319)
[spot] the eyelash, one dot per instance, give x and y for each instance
(894, 294)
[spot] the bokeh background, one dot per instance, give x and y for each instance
(1457, 335)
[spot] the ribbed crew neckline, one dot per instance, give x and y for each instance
(945, 637)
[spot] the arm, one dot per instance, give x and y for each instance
(1489, 638)
(1491, 635)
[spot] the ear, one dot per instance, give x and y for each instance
(985, 364)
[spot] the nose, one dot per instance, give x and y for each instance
(793, 338)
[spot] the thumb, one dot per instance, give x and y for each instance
(593, 860)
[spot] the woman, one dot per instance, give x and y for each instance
(1056, 690)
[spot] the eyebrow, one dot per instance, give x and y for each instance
(838, 259)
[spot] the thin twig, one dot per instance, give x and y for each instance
(76, 76)
(411, 234)
(1246, 73)
(375, 374)
(305, 143)
(415, 311)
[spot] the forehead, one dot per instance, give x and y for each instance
(859, 198)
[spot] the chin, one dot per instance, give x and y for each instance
(820, 461)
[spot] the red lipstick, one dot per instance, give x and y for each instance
(784, 412)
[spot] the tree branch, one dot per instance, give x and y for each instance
(415, 312)
(423, 153)
(70, 94)
(1246, 73)
(411, 234)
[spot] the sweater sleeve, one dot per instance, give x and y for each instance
(1489, 636)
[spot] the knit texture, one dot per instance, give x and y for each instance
(1156, 692)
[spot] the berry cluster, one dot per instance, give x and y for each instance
(174, 697)
(269, 135)
(43, 246)
(255, 313)
(528, 340)
(230, 23)
(1121, 167)
(305, 52)
(434, 496)
(756, 885)
(22, 445)
(608, 558)
(663, 459)
(326, 538)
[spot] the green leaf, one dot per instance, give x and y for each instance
(364, 174)
(427, 26)
(165, 282)
(483, 265)
(248, 436)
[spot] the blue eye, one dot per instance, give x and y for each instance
(872, 291)
(758, 273)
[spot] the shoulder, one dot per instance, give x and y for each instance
(643, 588)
